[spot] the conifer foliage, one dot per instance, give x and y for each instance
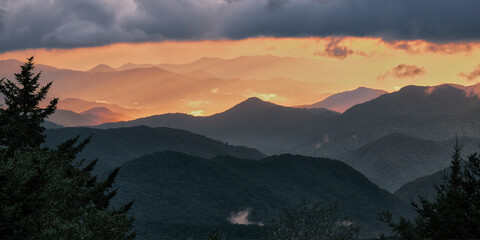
(22, 117)
(45, 193)
(455, 211)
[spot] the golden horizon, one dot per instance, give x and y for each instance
(343, 63)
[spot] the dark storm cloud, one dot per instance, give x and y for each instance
(76, 23)
(180, 19)
(403, 71)
(31, 24)
(436, 20)
(2, 14)
(275, 4)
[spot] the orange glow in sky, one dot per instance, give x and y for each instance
(349, 61)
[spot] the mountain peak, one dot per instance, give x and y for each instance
(340, 102)
(97, 110)
(101, 68)
(11, 61)
(251, 105)
(255, 102)
(208, 60)
(253, 99)
(128, 66)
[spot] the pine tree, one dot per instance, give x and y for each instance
(22, 118)
(45, 193)
(455, 211)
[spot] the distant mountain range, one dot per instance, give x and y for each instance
(340, 102)
(102, 114)
(90, 117)
(69, 118)
(170, 187)
(258, 67)
(152, 89)
(252, 123)
(416, 111)
(431, 113)
(113, 147)
(101, 68)
(79, 105)
(359, 136)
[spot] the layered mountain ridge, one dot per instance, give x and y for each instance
(179, 188)
(401, 122)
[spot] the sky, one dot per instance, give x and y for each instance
(380, 43)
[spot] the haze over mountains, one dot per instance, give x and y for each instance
(252, 122)
(90, 117)
(340, 102)
(436, 115)
(151, 89)
(407, 134)
(261, 66)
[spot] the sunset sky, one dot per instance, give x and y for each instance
(356, 61)
(373, 43)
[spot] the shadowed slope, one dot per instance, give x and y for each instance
(172, 187)
(113, 147)
(252, 123)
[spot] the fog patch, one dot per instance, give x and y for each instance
(324, 141)
(241, 218)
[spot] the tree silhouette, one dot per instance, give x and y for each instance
(45, 193)
(454, 213)
(22, 118)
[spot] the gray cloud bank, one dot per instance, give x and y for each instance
(77, 23)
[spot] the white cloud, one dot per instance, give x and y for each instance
(241, 217)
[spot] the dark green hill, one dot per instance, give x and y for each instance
(113, 147)
(423, 186)
(254, 122)
(396, 159)
(174, 188)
